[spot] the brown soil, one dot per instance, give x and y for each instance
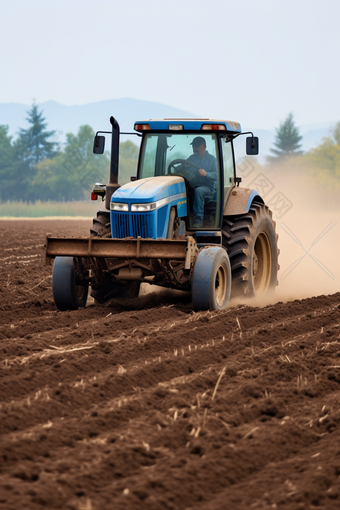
(148, 405)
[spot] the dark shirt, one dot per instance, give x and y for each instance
(208, 163)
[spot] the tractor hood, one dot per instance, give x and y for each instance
(151, 189)
(142, 208)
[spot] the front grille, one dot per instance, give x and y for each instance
(120, 225)
(131, 225)
(141, 225)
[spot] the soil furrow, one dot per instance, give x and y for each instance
(146, 404)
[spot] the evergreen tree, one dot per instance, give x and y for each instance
(33, 143)
(287, 140)
(7, 163)
(32, 146)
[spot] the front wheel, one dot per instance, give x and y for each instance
(211, 282)
(69, 290)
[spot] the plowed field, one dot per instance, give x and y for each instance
(148, 405)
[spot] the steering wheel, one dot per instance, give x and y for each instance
(183, 170)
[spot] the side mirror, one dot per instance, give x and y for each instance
(252, 145)
(99, 144)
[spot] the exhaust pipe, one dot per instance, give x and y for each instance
(113, 184)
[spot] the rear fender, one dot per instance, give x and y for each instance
(240, 200)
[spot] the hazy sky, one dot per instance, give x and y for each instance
(252, 61)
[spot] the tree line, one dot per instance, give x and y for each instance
(35, 166)
(321, 164)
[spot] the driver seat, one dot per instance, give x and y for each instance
(210, 204)
(210, 208)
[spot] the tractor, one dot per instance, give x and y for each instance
(183, 222)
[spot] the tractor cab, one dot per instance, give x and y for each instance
(199, 151)
(186, 170)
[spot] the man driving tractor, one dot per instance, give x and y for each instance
(204, 183)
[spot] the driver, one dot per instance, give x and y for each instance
(205, 178)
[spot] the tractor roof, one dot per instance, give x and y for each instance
(187, 125)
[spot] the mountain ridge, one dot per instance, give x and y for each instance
(68, 118)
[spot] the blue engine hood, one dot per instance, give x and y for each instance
(150, 189)
(164, 192)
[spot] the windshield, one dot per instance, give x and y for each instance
(195, 157)
(161, 149)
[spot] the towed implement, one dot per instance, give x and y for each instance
(183, 222)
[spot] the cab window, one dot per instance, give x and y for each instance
(148, 156)
(176, 154)
(228, 167)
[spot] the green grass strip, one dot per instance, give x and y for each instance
(41, 209)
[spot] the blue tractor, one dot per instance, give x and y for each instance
(183, 222)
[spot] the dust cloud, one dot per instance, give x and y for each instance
(307, 223)
(307, 220)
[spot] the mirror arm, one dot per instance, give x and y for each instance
(110, 133)
(249, 133)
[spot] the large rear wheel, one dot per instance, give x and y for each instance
(251, 242)
(101, 225)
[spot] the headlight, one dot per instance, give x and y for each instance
(143, 207)
(116, 206)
